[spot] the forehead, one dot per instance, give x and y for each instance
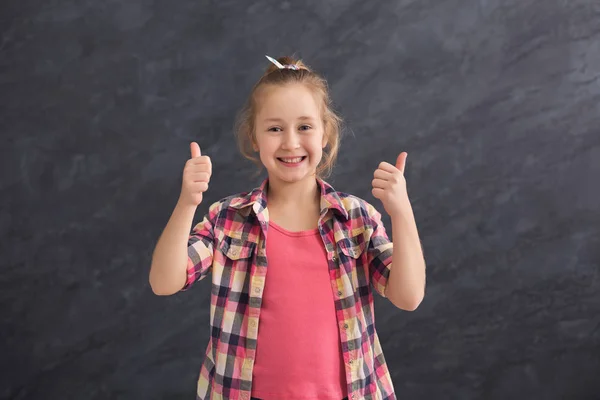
(287, 101)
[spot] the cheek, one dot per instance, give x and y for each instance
(317, 149)
(266, 147)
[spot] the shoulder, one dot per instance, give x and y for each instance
(352, 205)
(225, 204)
(357, 207)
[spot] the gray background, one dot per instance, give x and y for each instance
(496, 103)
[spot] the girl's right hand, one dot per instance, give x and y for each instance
(196, 175)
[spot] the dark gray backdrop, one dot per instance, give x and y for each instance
(496, 103)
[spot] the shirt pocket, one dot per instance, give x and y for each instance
(353, 246)
(236, 249)
(353, 259)
(235, 259)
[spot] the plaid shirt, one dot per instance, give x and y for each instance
(231, 240)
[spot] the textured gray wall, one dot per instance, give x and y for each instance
(496, 103)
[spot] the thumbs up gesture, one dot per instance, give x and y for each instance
(196, 175)
(389, 186)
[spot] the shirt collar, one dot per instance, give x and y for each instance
(256, 200)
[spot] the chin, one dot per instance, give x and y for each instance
(293, 176)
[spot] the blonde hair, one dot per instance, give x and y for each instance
(246, 118)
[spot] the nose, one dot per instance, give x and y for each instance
(291, 140)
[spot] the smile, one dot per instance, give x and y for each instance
(291, 160)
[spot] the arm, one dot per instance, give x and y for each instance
(170, 257)
(406, 282)
(172, 268)
(405, 285)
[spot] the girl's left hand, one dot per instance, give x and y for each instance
(389, 186)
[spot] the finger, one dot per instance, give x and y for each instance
(381, 174)
(386, 166)
(200, 176)
(379, 183)
(401, 161)
(200, 161)
(195, 149)
(199, 186)
(377, 193)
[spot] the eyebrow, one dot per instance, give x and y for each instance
(303, 118)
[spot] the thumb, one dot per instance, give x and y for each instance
(401, 161)
(195, 149)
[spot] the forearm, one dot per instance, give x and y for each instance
(406, 282)
(170, 257)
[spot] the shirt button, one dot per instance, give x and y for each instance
(345, 326)
(334, 259)
(256, 290)
(339, 292)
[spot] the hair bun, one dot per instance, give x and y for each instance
(286, 60)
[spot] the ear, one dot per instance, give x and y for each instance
(254, 144)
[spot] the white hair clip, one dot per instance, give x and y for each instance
(281, 66)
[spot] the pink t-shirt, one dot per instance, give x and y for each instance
(298, 350)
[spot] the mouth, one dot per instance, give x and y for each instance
(291, 160)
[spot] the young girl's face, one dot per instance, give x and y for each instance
(289, 132)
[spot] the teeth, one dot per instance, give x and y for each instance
(292, 160)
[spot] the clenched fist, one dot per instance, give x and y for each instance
(389, 186)
(196, 175)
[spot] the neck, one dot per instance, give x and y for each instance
(296, 194)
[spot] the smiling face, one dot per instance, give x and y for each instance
(289, 132)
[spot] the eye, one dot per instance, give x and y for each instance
(275, 127)
(306, 126)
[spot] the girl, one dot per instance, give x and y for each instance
(294, 262)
